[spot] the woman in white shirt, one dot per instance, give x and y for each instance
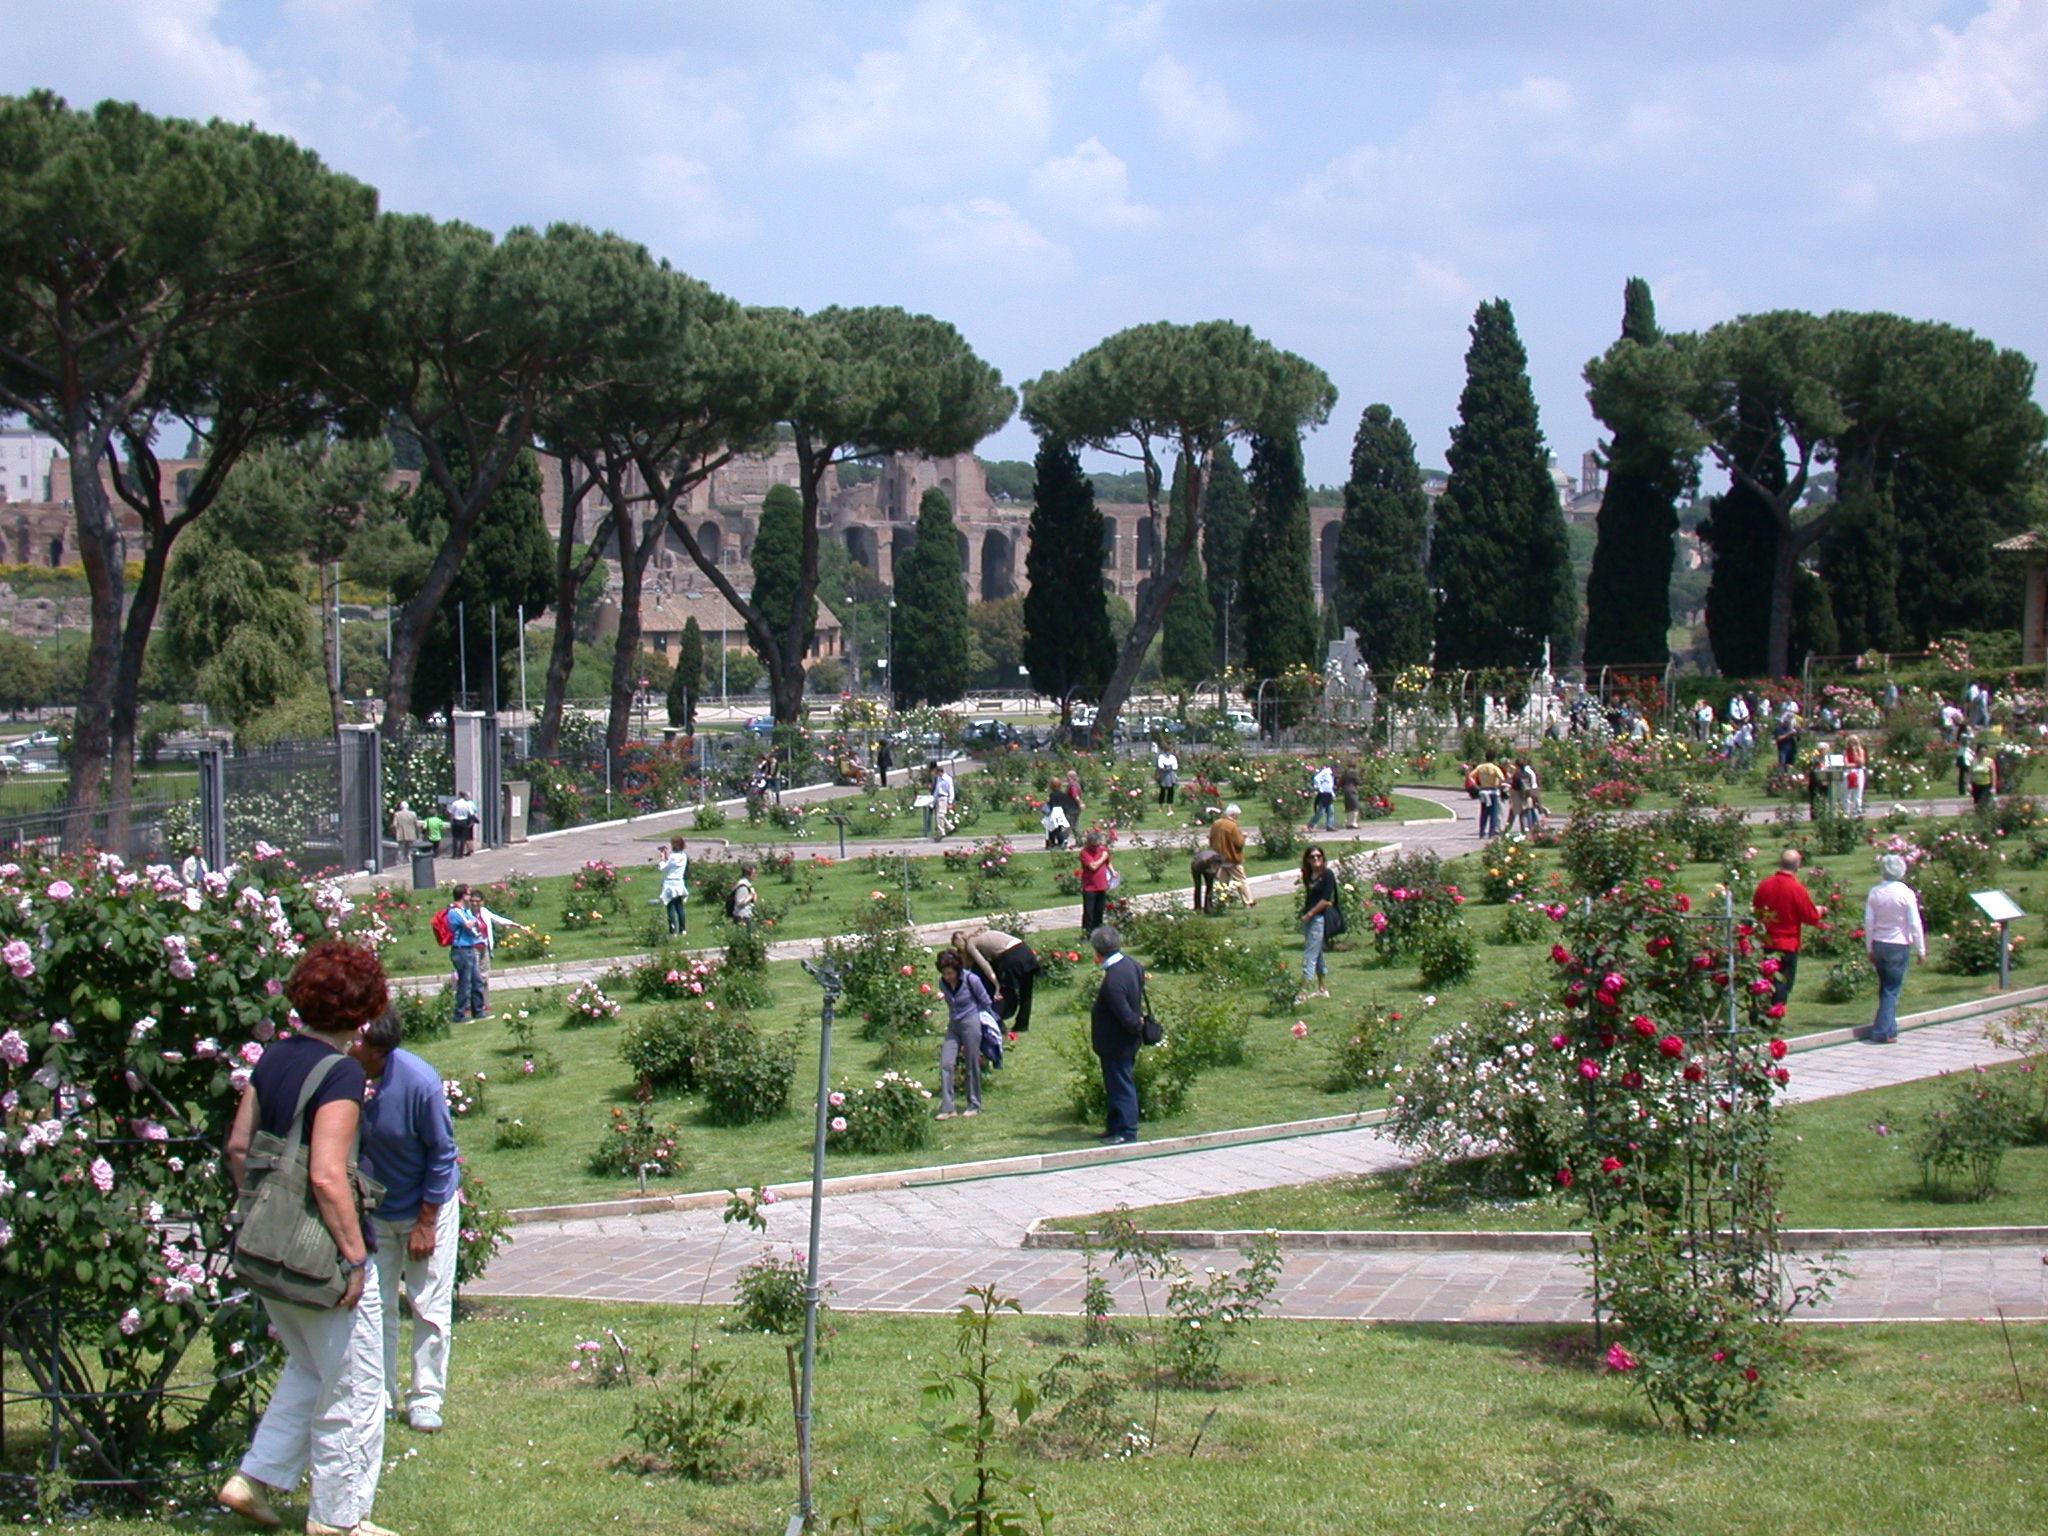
(675, 885)
(1166, 769)
(1894, 936)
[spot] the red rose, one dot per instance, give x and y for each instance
(1778, 1049)
(1643, 1025)
(1782, 1074)
(1564, 1178)
(1560, 954)
(1610, 1165)
(1671, 1045)
(1695, 1074)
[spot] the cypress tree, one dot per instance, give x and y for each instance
(1382, 589)
(1499, 558)
(934, 643)
(1226, 518)
(688, 681)
(1068, 644)
(1188, 634)
(777, 559)
(1860, 564)
(1628, 593)
(1277, 595)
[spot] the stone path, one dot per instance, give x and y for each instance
(916, 1248)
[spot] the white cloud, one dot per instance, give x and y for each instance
(1194, 112)
(1134, 26)
(953, 96)
(1092, 186)
(166, 53)
(985, 234)
(1990, 77)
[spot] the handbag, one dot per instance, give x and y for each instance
(1115, 879)
(1150, 1030)
(1333, 923)
(282, 1249)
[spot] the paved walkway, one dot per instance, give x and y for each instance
(916, 1248)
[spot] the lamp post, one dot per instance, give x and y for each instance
(889, 641)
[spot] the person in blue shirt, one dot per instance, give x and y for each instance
(409, 1143)
(464, 952)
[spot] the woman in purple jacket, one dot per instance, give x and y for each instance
(966, 1001)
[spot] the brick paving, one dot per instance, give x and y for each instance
(916, 1248)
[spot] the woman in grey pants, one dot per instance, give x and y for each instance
(966, 1001)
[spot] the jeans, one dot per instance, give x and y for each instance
(1120, 1089)
(678, 914)
(963, 1040)
(469, 983)
(1312, 970)
(1788, 972)
(1093, 904)
(1891, 961)
(1325, 813)
(430, 1283)
(1489, 812)
(326, 1412)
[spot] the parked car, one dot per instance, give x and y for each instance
(32, 766)
(42, 739)
(760, 725)
(992, 733)
(1244, 722)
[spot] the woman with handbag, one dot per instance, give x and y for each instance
(326, 1413)
(1318, 903)
(967, 1001)
(1098, 877)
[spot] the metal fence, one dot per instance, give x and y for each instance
(289, 796)
(158, 823)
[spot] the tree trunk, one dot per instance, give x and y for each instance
(99, 548)
(1152, 612)
(636, 548)
(149, 591)
(1784, 570)
(465, 506)
(570, 574)
(330, 639)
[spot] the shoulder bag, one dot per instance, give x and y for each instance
(1150, 1030)
(282, 1249)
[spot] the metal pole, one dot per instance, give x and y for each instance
(461, 658)
(2004, 956)
(522, 668)
(827, 977)
(494, 661)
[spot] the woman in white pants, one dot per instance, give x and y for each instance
(326, 1414)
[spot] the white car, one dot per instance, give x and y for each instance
(32, 766)
(1244, 722)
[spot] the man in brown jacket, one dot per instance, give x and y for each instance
(1227, 838)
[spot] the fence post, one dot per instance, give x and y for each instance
(491, 788)
(213, 804)
(362, 799)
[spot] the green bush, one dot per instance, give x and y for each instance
(895, 1115)
(1165, 1075)
(1448, 955)
(661, 1047)
(1521, 923)
(1361, 1055)
(1969, 1132)
(1972, 948)
(1280, 837)
(769, 1298)
(746, 1075)
(1847, 979)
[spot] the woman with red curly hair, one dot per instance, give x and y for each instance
(327, 1412)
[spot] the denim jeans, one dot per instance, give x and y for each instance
(1325, 813)
(1489, 812)
(1312, 972)
(1891, 961)
(469, 983)
(1120, 1089)
(678, 915)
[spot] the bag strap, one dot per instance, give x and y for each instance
(313, 1081)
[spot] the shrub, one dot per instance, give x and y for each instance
(1847, 979)
(1361, 1055)
(671, 973)
(1483, 1088)
(879, 968)
(745, 1074)
(1600, 851)
(768, 1297)
(589, 1005)
(1210, 1026)
(1968, 1133)
(516, 946)
(1448, 955)
(515, 1134)
(1165, 1075)
(1280, 837)
(1972, 948)
(694, 1431)
(1178, 939)
(1509, 868)
(743, 977)
(1411, 897)
(424, 1015)
(1522, 922)
(661, 1046)
(892, 1116)
(633, 1144)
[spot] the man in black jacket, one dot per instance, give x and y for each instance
(1117, 1017)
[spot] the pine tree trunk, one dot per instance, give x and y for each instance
(1152, 612)
(330, 640)
(141, 619)
(99, 546)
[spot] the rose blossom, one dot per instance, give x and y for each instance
(1300, 1029)
(102, 1173)
(839, 1122)
(59, 890)
(131, 1323)
(835, 1098)
(13, 1049)
(1671, 1045)
(1778, 1049)
(1619, 1359)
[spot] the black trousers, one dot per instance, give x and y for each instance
(1788, 972)
(1093, 905)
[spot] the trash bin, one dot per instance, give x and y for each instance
(422, 867)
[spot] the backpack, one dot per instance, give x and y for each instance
(732, 901)
(444, 935)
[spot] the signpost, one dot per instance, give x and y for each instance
(2004, 911)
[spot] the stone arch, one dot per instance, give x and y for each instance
(1148, 545)
(966, 552)
(1109, 545)
(57, 550)
(711, 539)
(998, 570)
(1326, 565)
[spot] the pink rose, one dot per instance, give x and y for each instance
(1300, 1030)
(839, 1122)
(59, 890)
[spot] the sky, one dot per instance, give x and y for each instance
(1350, 178)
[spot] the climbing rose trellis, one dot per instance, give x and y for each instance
(132, 1008)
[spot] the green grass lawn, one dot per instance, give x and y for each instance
(821, 898)
(1282, 1079)
(1321, 1430)
(1838, 1171)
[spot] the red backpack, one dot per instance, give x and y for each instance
(443, 934)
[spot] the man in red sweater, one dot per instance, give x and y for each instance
(1785, 907)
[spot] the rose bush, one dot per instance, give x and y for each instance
(132, 1008)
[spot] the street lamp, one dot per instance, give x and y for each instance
(889, 639)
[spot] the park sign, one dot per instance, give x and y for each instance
(2001, 909)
